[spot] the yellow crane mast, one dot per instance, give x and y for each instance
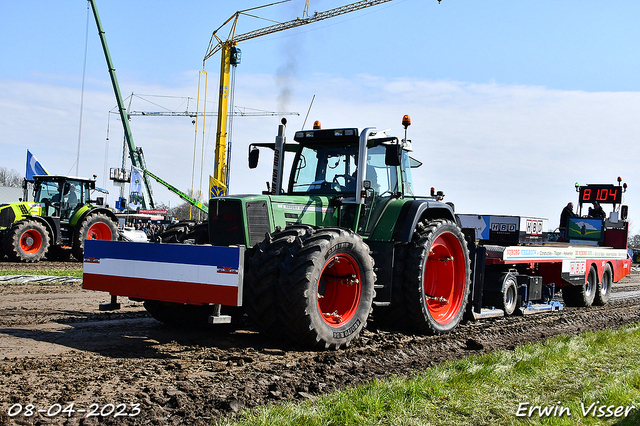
(230, 56)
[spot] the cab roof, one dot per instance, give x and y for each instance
(59, 178)
(348, 136)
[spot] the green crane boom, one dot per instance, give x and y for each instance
(180, 194)
(137, 157)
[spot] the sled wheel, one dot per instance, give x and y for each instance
(437, 277)
(582, 295)
(263, 270)
(27, 241)
(327, 296)
(509, 300)
(603, 288)
(96, 226)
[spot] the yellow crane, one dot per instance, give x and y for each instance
(230, 56)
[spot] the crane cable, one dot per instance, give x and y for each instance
(202, 151)
(84, 72)
(195, 137)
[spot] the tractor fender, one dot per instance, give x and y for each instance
(7, 216)
(414, 211)
(89, 209)
(15, 212)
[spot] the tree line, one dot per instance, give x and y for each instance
(10, 177)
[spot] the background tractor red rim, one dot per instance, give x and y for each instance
(99, 231)
(33, 247)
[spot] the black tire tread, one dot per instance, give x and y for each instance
(602, 299)
(576, 295)
(295, 291)
(263, 268)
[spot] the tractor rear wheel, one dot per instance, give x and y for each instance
(96, 226)
(327, 295)
(582, 295)
(27, 241)
(436, 277)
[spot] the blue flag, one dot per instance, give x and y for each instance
(135, 188)
(34, 167)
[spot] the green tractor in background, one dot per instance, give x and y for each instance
(58, 221)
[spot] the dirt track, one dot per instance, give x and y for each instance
(57, 348)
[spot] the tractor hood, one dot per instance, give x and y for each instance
(11, 213)
(246, 219)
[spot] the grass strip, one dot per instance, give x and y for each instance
(567, 380)
(56, 273)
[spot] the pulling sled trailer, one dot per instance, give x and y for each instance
(347, 236)
(519, 269)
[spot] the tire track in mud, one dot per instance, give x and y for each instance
(76, 354)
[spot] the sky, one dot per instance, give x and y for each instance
(512, 102)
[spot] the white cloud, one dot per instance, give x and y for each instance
(492, 148)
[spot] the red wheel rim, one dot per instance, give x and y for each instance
(99, 231)
(445, 278)
(31, 241)
(339, 290)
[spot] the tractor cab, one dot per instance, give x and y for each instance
(355, 174)
(350, 174)
(359, 171)
(335, 162)
(62, 196)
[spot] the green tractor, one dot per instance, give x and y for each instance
(57, 223)
(346, 234)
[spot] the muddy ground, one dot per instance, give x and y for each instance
(57, 349)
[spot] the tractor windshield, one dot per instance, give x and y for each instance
(333, 170)
(325, 170)
(384, 179)
(45, 191)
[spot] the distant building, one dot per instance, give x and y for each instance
(10, 194)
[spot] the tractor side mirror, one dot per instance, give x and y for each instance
(100, 201)
(393, 155)
(254, 155)
(624, 212)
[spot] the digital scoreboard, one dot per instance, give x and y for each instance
(603, 194)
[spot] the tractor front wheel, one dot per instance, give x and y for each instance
(327, 294)
(27, 241)
(436, 277)
(264, 272)
(95, 226)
